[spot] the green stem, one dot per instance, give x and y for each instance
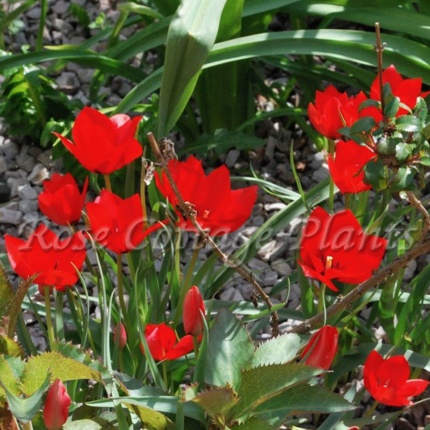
(331, 183)
(26, 426)
(108, 185)
(321, 301)
(121, 286)
(369, 413)
(186, 284)
(59, 322)
(43, 13)
(49, 324)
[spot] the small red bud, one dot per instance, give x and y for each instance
(321, 348)
(120, 335)
(56, 408)
(194, 309)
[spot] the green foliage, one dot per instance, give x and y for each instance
(28, 93)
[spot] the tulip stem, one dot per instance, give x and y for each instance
(121, 286)
(190, 215)
(185, 286)
(49, 324)
(379, 49)
(372, 409)
(26, 426)
(108, 185)
(331, 183)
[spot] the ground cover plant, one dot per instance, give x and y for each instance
(137, 339)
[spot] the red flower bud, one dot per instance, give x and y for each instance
(321, 348)
(56, 408)
(194, 309)
(120, 335)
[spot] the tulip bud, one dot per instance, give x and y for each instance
(321, 348)
(56, 408)
(194, 309)
(120, 335)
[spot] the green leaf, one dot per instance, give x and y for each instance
(259, 384)
(10, 372)
(218, 402)
(403, 179)
(376, 175)
(303, 398)
(229, 350)
(58, 366)
(9, 347)
(191, 36)
(392, 107)
(409, 124)
(425, 161)
(364, 124)
(403, 151)
(254, 423)
(24, 408)
(278, 350)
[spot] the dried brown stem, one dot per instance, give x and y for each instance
(379, 49)
(190, 214)
(380, 276)
(422, 210)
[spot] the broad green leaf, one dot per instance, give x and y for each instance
(229, 350)
(190, 38)
(253, 7)
(278, 350)
(151, 418)
(24, 408)
(58, 366)
(259, 384)
(303, 398)
(163, 404)
(139, 9)
(80, 56)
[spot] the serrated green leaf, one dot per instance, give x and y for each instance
(229, 350)
(75, 353)
(278, 350)
(409, 124)
(254, 423)
(391, 108)
(304, 398)
(58, 366)
(403, 151)
(10, 372)
(218, 402)
(425, 161)
(403, 179)
(259, 384)
(24, 408)
(376, 174)
(364, 124)
(9, 347)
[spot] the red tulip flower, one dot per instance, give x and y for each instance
(347, 167)
(387, 380)
(102, 144)
(321, 348)
(407, 90)
(56, 409)
(54, 261)
(335, 248)
(117, 223)
(194, 310)
(163, 345)
(219, 208)
(61, 200)
(333, 110)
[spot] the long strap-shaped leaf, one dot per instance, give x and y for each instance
(190, 38)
